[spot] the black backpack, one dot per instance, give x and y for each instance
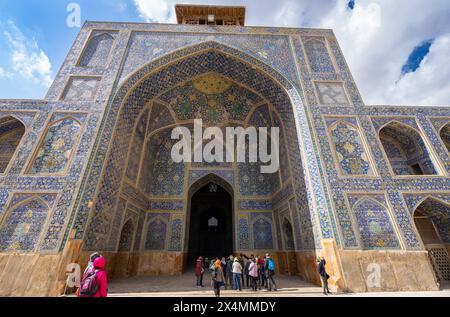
(89, 285)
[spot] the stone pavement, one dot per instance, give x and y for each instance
(184, 286)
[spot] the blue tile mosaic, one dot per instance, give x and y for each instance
(297, 79)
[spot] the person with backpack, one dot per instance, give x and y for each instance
(323, 275)
(217, 277)
(269, 269)
(95, 283)
(199, 271)
(88, 268)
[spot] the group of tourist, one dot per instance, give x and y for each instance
(238, 272)
(233, 272)
(251, 272)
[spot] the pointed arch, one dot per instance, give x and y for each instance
(428, 197)
(406, 150)
(97, 50)
(200, 48)
(57, 146)
(319, 59)
(211, 196)
(161, 116)
(137, 145)
(432, 222)
(362, 199)
(444, 134)
(212, 178)
(438, 212)
(23, 225)
(160, 176)
(288, 234)
(126, 236)
(12, 116)
(376, 229)
(157, 229)
(284, 160)
(351, 154)
(12, 131)
(34, 197)
(262, 232)
(260, 117)
(156, 77)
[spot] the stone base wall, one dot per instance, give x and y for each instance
(400, 271)
(128, 264)
(307, 267)
(32, 275)
(161, 263)
(287, 263)
(350, 270)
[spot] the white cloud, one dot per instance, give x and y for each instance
(27, 59)
(4, 74)
(287, 13)
(430, 84)
(156, 10)
(376, 38)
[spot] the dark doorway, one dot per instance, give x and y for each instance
(211, 223)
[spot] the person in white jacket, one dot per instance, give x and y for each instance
(237, 272)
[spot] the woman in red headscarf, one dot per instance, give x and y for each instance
(217, 277)
(199, 271)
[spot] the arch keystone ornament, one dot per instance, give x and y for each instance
(89, 168)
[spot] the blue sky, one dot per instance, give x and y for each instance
(397, 50)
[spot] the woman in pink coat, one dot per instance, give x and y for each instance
(99, 266)
(253, 272)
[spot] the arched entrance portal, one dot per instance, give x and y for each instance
(431, 220)
(210, 220)
(135, 146)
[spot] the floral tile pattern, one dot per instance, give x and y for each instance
(57, 147)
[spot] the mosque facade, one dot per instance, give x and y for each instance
(88, 168)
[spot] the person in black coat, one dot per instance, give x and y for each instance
(246, 266)
(229, 272)
(247, 273)
(324, 275)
